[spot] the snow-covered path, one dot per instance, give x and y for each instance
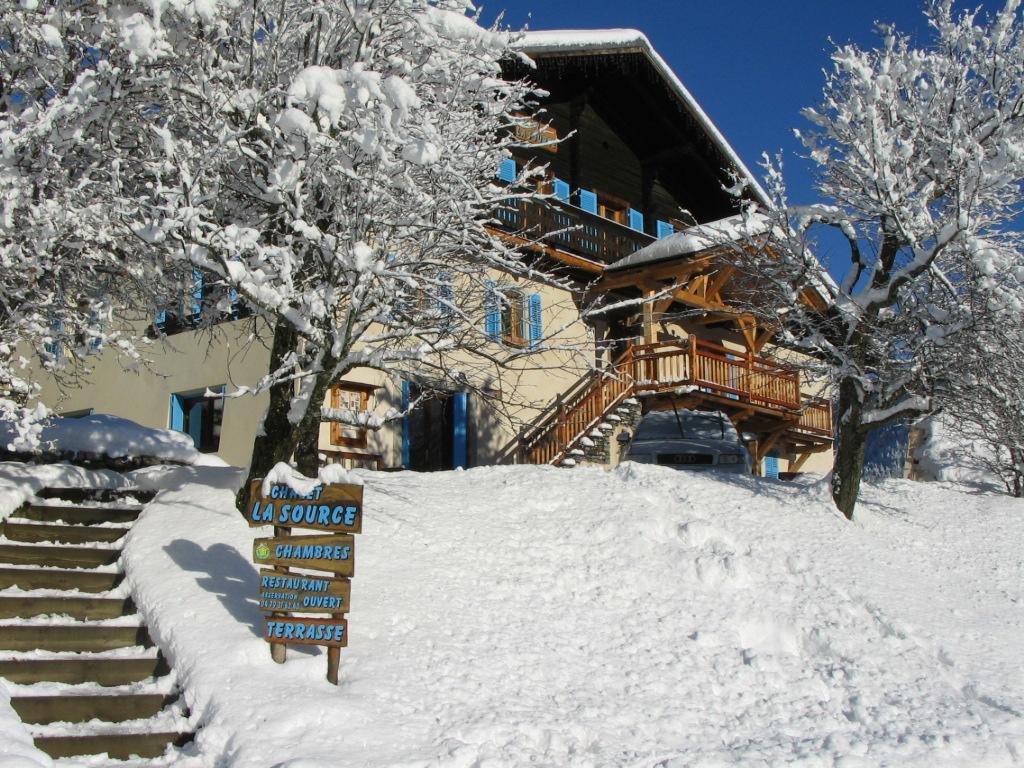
(645, 617)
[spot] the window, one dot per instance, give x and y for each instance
(199, 414)
(513, 330)
(207, 298)
(350, 396)
(513, 317)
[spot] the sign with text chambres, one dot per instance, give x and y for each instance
(334, 553)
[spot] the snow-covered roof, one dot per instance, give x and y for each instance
(693, 240)
(557, 41)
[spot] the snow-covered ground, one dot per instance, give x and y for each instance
(644, 617)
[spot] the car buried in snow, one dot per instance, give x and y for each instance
(687, 439)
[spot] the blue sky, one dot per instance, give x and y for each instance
(752, 65)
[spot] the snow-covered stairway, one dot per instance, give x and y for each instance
(83, 672)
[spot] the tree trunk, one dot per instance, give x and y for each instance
(307, 432)
(276, 441)
(849, 451)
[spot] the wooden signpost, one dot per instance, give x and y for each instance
(334, 509)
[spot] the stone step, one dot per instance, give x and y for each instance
(100, 495)
(83, 581)
(76, 607)
(111, 708)
(58, 637)
(65, 534)
(58, 557)
(119, 746)
(77, 515)
(78, 671)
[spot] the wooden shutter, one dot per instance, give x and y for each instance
(665, 229)
(507, 170)
(536, 320)
(588, 200)
(636, 220)
(492, 306)
(460, 402)
(561, 190)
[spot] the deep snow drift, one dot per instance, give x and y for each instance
(643, 617)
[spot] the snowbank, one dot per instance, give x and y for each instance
(527, 615)
(111, 437)
(19, 481)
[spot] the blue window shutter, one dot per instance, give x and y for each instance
(406, 427)
(561, 190)
(588, 200)
(536, 320)
(665, 229)
(54, 347)
(492, 305)
(161, 319)
(195, 422)
(197, 293)
(459, 423)
(771, 466)
(636, 220)
(507, 170)
(445, 294)
(95, 344)
(177, 414)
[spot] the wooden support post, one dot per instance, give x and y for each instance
(693, 359)
(279, 651)
(334, 657)
(763, 446)
(747, 387)
(649, 332)
(800, 461)
(560, 429)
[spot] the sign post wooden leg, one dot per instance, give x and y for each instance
(279, 651)
(333, 658)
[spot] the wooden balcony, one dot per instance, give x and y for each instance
(692, 372)
(568, 228)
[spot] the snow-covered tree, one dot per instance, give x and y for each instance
(65, 285)
(330, 163)
(920, 154)
(983, 393)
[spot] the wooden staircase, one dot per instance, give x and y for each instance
(83, 673)
(707, 374)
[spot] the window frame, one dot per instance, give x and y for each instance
(344, 434)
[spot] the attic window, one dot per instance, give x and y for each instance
(534, 132)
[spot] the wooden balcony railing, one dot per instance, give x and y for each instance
(816, 416)
(665, 367)
(566, 227)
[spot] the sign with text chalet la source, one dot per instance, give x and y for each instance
(335, 510)
(331, 508)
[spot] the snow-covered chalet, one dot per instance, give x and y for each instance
(637, 152)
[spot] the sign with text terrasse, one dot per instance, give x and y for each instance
(332, 508)
(335, 553)
(301, 631)
(303, 593)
